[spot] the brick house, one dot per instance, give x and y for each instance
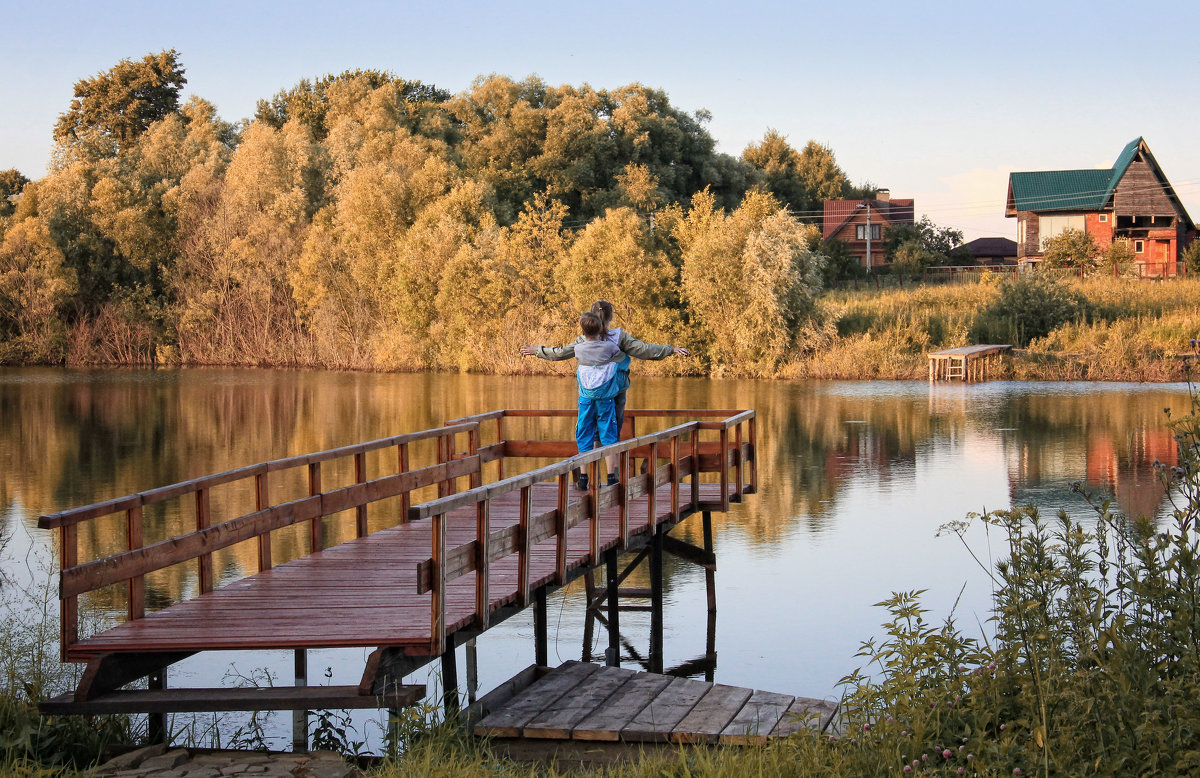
(1132, 200)
(860, 224)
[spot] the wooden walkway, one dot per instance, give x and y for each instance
(586, 702)
(450, 567)
(965, 363)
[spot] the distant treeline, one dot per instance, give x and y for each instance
(365, 221)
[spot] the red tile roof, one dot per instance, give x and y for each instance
(838, 212)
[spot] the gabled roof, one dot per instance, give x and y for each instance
(838, 213)
(992, 247)
(1082, 190)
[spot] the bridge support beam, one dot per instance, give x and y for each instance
(656, 601)
(450, 682)
(710, 572)
(540, 649)
(612, 655)
(300, 717)
(156, 726)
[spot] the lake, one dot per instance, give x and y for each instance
(856, 478)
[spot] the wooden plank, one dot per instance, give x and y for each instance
(112, 671)
(206, 700)
(757, 719)
(556, 723)
(655, 722)
(607, 721)
(497, 697)
(705, 722)
(509, 720)
(805, 713)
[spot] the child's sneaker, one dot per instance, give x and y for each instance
(612, 479)
(582, 483)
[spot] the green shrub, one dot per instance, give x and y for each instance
(1029, 307)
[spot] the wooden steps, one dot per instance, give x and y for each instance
(580, 701)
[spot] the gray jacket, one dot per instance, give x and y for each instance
(626, 342)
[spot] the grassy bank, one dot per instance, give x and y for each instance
(1132, 331)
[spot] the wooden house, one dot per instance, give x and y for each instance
(992, 251)
(1132, 200)
(860, 224)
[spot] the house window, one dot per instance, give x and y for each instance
(1051, 226)
(860, 232)
(1139, 246)
(1103, 218)
(1021, 232)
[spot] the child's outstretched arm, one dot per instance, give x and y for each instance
(652, 351)
(552, 353)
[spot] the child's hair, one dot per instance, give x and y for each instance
(591, 324)
(603, 309)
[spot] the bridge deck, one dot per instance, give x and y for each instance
(364, 592)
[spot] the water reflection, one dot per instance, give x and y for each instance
(856, 476)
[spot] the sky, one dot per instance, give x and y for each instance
(935, 101)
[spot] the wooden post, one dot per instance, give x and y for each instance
(262, 500)
(656, 602)
(524, 547)
(593, 502)
(472, 671)
(401, 468)
(203, 520)
(560, 531)
(315, 529)
(137, 584)
(710, 581)
(612, 655)
(476, 478)
(300, 717)
(483, 605)
(541, 651)
(68, 556)
(450, 682)
(695, 467)
(623, 500)
(437, 617)
(674, 470)
(725, 469)
(754, 453)
(360, 511)
(652, 495)
(500, 440)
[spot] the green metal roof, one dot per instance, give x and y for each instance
(1070, 190)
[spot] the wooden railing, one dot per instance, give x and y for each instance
(681, 448)
(212, 534)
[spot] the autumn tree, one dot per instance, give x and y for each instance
(34, 285)
(749, 281)
(801, 180)
(122, 102)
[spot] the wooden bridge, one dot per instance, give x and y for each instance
(446, 565)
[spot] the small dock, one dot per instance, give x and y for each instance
(583, 712)
(966, 363)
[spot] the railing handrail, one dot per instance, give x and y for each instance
(160, 494)
(513, 483)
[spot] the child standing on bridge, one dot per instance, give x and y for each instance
(600, 379)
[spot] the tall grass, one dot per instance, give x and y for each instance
(1134, 330)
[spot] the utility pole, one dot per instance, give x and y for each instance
(868, 236)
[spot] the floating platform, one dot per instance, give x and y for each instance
(590, 713)
(966, 363)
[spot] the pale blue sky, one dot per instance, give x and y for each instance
(937, 101)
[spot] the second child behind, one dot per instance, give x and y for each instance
(600, 379)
